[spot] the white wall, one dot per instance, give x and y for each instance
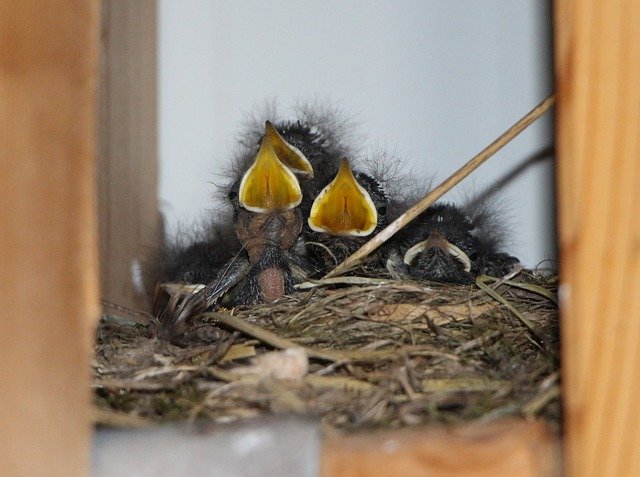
(433, 80)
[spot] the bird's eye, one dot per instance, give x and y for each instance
(439, 218)
(233, 195)
(382, 210)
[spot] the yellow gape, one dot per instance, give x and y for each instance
(289, 155)
(269, 184)
(343, 207)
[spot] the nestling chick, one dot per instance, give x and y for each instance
(448, 244)
(344, 215)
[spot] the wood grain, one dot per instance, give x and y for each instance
(598, 124)
(510, 448)
(127, 167)
(48, 239)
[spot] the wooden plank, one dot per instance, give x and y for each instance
(127, 168)
(598, 123)
(49, 274)
(509, 448)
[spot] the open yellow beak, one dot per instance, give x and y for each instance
(288, 154)
(270, 184)
(343, 207)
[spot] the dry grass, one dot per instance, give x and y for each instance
(382, 353)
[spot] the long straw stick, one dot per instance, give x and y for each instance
(439, 191)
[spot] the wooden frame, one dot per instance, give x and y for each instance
(512, 447)
(598, 124)
(48, 72)
(49, 272)
(130, 225)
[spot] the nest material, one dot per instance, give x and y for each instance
(379, 353)
(383, 353)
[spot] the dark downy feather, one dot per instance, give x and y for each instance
(473, 229)
(197, 259)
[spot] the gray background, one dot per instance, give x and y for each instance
(433, 81)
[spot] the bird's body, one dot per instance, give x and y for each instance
(197, 257)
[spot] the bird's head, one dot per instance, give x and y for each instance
(267, 220)
(346, 213)
(440, 246)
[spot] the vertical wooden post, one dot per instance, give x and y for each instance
(598, 122)
(127, 167)
(48, 239)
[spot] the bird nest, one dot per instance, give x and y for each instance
(355, 352)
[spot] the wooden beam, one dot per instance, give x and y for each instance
(598, 124)
(510, 448)
(49, 274)
(127, 169)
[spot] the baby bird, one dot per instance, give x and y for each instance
(268, 220)
(266, 223)
(344, 215)
(449, 244)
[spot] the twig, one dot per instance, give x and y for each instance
(271, 338)
(439, 191)
(536, 331)
(341, 281)
(483, 340)
(537, 289)
(127, 310)
(108, 417)
(533, 407)
(276, 341)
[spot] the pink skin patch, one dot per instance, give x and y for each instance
(271, 281)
